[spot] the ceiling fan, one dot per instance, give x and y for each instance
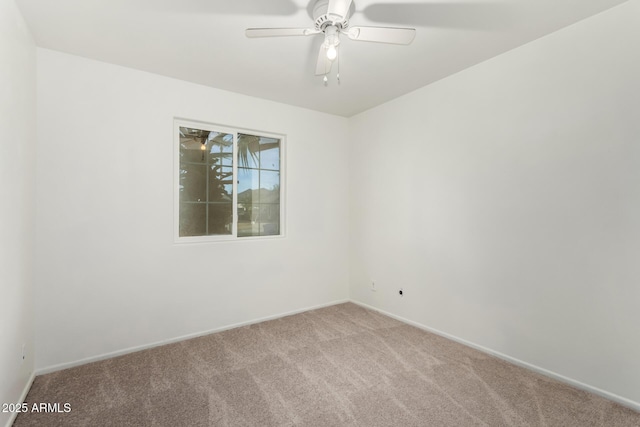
(331, 20)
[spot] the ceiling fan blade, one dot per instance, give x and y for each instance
(279, 32)
(474, 15)
(224, 7)
(382, 34)
(324, 64)
(339, 8)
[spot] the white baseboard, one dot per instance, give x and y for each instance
(23, 396)
(66, 365)
(577, 384)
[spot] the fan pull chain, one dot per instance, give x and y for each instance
(325, 80)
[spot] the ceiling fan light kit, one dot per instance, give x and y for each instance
(331, 41)
(331, 18)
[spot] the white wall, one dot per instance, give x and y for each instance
(505, 200)
(109, 276)
(17, 195)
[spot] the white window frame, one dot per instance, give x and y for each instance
(233, 237)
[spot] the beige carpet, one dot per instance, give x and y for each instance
(336, 366)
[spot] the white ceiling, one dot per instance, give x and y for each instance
(203, 41)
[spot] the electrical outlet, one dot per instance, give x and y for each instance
(373, 286)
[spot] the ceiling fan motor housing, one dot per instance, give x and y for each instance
(323, 20)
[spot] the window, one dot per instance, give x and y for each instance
(228, 183)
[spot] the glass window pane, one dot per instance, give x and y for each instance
(248, 220)
(260, 219)
(220, 184)
(220, 218)
(192, 142)
(220, 149)
(248, 185)
(269, 153)
(192, 219)
(248, 151)
(259, 188)
(193, 183)
(270, 219)
(269, 187)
